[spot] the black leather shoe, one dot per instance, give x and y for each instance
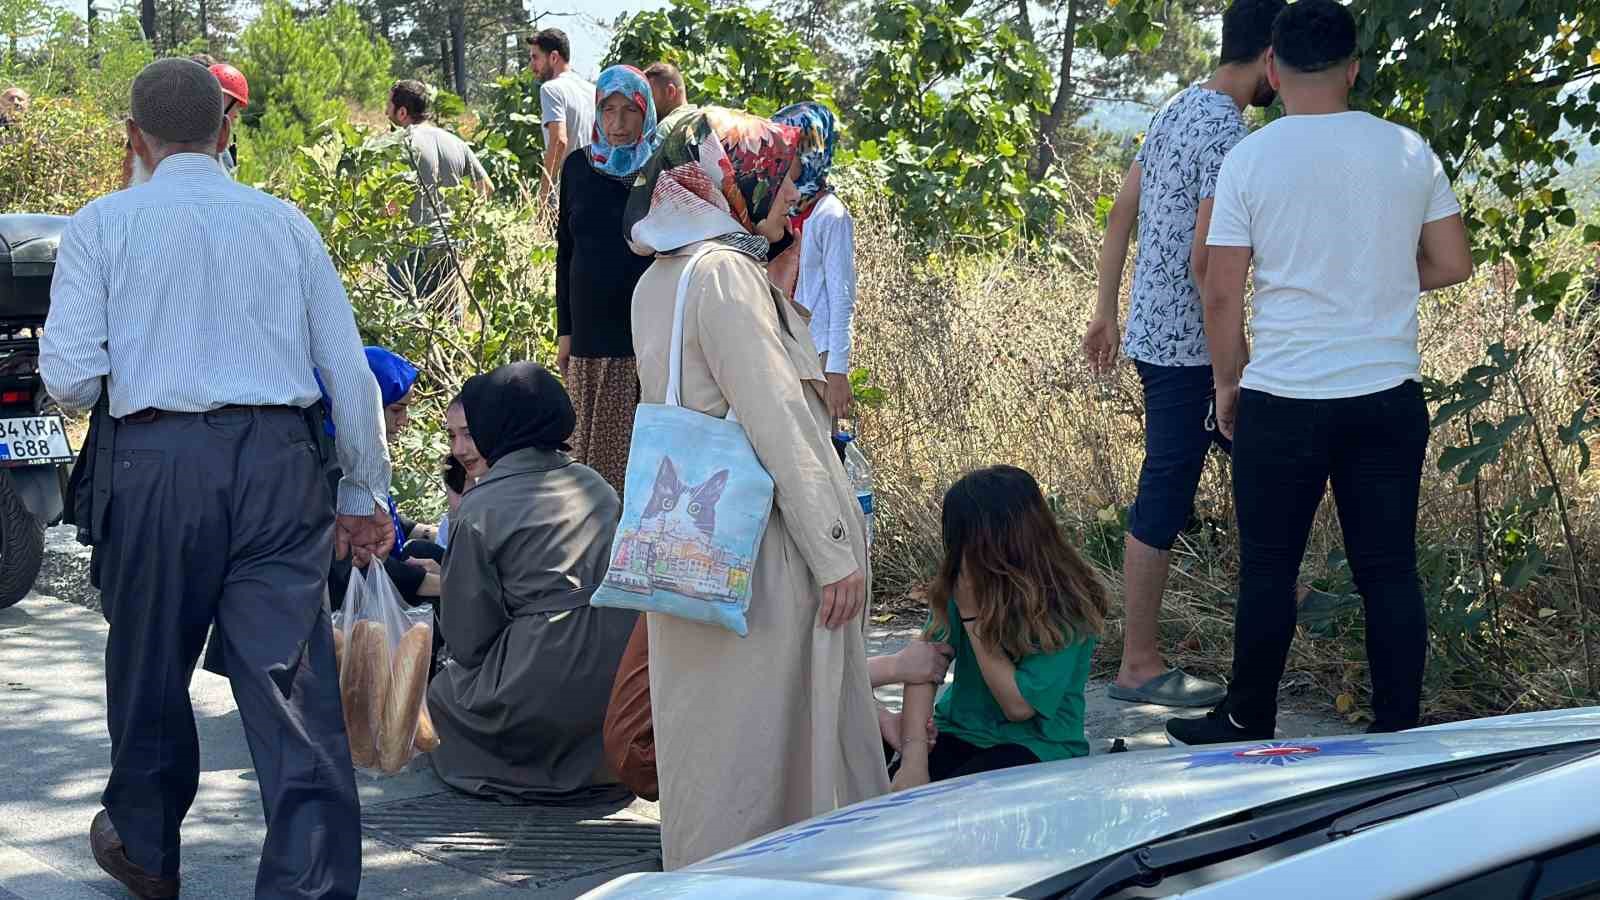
(109, 853)
(1215, 727)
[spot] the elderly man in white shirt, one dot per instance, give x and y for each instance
(203, 306)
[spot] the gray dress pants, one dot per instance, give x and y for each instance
(225, 518)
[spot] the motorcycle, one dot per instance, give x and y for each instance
(35, 452)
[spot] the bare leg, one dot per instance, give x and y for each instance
(1144, 572)
(917, 708)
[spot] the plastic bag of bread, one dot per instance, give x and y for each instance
(383, 674)
(338, 640)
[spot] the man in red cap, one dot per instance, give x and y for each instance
(235, 97)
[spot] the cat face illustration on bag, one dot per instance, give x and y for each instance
(673, 544)
(695, 510)
(683, 510)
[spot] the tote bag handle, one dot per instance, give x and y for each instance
(675, 359)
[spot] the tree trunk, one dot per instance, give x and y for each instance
(385, 25)
(172, 26)
(1025, 20)
(444, 59)
(1050, 122)
(458, 48)
(205, 33)
(147, 19)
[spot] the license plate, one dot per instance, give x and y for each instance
(34, 441)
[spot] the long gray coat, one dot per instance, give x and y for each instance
(520, 707)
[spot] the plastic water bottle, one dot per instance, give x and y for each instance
(859, 472)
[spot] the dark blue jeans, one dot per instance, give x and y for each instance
(1178, 433)
(1285, 452)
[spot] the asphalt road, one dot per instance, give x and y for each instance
(56, 752)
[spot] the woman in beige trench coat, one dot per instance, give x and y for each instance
(752, 733)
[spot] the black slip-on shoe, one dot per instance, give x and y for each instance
(1215, 727)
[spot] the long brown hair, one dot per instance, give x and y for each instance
(1034, 593)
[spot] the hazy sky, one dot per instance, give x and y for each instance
(589, 39)
(580, 19)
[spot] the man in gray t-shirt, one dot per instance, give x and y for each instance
(442, 160)
(566, 100)
(1168, 194)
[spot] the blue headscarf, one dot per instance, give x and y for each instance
(623, 162)
(819, 133)
(394, 373)
(396, 376)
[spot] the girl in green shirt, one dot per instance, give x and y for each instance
(1022, 612)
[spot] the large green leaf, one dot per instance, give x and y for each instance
(1489, 441)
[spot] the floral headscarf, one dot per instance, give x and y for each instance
(819, 133)
(623, 162)
(715, 177)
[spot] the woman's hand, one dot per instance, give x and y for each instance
(838, 395)
(842, 600)
(427, 565)
(563, 354)
(922, 662)
(430, 585)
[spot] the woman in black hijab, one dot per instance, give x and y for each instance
(517, 407)
(520, 705)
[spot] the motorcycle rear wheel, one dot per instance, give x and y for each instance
(21, 545)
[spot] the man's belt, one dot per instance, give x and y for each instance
(150, 414)
(314, 416)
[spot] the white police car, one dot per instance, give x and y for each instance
(1492, 808)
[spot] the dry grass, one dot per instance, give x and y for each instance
(980, 360)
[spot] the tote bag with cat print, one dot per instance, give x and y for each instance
(695, 505)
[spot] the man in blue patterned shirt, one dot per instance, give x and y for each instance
(1168, 192)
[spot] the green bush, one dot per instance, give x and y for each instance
(511, 133)
(498, 305)
(61, 155)
(304, 72)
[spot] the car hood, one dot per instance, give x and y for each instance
(990, 835)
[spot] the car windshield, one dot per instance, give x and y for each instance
(1257, 837)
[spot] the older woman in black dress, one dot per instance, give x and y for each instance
(596, 273)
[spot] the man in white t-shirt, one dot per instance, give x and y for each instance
(566, 100)
(1346, 217)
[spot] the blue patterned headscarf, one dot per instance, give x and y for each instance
(819, 133)
(623, 162)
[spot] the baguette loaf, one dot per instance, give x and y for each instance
(427, 739)
(338, 650)
(365, 690)
(409, 681)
